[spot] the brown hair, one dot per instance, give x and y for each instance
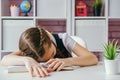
(32, 40)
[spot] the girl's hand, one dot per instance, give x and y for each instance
(35, 69)
(56, 64)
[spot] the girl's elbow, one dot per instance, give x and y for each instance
(3, 61)
(94, 60)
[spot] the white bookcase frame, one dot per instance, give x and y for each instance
(68, 15)
(111, 12)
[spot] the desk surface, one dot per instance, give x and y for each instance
(82, 73)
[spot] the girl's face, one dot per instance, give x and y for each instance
(49, 53)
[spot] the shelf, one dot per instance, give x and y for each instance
(50, 18)
(4, 51)
(87, 25)
(85, 7)
(9, 17)
(114, 17)
(60, 16)
(92, 17)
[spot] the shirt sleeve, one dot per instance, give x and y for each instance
(68, 42)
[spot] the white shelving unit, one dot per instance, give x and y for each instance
(12, 27)
(93, 29)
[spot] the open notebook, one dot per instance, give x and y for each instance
(17, 69)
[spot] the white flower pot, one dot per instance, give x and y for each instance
(111, 66)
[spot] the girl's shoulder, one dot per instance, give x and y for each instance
(63, 35)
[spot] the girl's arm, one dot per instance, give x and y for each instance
(84, 58)
(16, 58)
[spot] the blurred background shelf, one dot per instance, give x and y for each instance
(59, 16)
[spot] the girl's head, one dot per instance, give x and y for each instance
(36, 43)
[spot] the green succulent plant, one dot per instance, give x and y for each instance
(97, 4)
(111, 50)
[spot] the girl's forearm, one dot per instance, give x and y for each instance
(81, 61)
(14, 60)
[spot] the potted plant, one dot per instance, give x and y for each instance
(110, 55)
(97, 6)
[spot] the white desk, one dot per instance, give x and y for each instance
(82, 73)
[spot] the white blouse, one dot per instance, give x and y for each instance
(68, 42)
